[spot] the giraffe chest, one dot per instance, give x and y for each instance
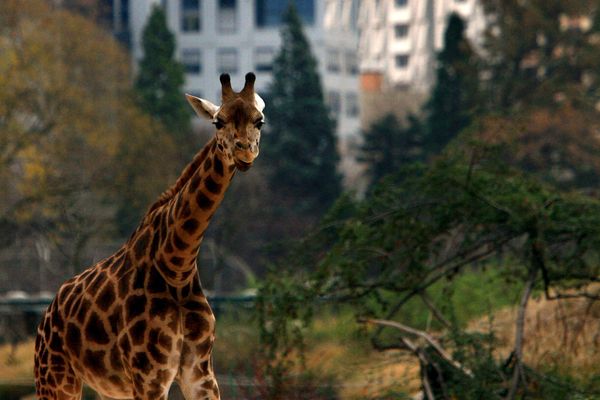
(114, 352)
(115, 342)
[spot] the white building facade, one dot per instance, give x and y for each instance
(238, 36)
(399, 39)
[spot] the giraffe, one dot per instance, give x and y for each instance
(137, 321)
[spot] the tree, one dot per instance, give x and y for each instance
(472, 208)
(544, 75)
(465, 211)
(158, 87)
(388, 146)
(557, 145)
(539, 53)
(149, 161)
(300, 145)
(454, 97)
(66, 111)
(160, 80)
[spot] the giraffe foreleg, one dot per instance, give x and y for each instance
(196, 376)
(55, 379)
(198, 381)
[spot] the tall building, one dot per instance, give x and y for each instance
(399, 39)
(398, 47)
(237, 36)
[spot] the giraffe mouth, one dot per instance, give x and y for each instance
(243, 165)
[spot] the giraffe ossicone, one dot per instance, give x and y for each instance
(132, 324)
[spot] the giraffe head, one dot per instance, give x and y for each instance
(238, 120)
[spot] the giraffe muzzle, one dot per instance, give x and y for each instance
(242, 165)
(243, 160)
(244, 155)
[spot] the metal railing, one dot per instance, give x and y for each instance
(38, 305)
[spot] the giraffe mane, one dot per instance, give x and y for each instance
(185, 176)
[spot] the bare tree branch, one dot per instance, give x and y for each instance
(423, 361)
(428, 338)
(519, 373)
(436, 312)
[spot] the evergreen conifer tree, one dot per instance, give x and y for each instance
(388, 146)
(160, 79)
(300, 144)
(454, 95)
(159, 93)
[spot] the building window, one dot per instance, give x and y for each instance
(401, 3)
(124, 15)
(119, 21)
(333, 60)
(192, 61)
(268, 12)
(263, 59)
(354, 12)
(351, 63)
(227, 61)
(351, 105)
(401, 30)
(402, 60)
(190, 15)
(334, 102)
(227, 18)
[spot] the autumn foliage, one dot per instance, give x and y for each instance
(71, 138)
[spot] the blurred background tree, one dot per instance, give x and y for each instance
(159, 93)
(300, 143)
(541, 88)
(535, 54)
(159, 82)
(416, 235)
(388, 146)
(454, 97)
(66, 113)
(514, 132)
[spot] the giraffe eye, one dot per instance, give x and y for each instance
(219, 124)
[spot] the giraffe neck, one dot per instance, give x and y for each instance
(172, 230)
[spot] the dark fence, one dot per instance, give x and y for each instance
(20, 316)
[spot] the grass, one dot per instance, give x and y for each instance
(466, 297)
(338, 354)
(562, 337)
(16, 365)
(237, 343)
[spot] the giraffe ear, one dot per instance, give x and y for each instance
(259, 102)
(203, 108)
